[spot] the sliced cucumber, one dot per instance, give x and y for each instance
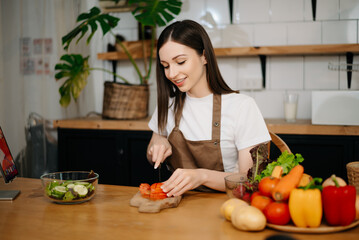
(81, 190)
(71, 185)
(68, 182)
(53, 184)
(58, 191)
(82, 183)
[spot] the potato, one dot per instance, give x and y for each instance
(228, 206)
(248, 218)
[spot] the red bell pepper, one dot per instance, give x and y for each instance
(339, 204)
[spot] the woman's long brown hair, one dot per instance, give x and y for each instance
(193, 35)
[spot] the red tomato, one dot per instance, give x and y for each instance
(156, 187)
(261, 202)
(255, 194)
(266, 185)
(157, 192)
(277, 213)
(145, 190)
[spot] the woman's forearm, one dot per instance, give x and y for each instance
(214, 179)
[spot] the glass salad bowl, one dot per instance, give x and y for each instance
(70, 187)
(237, 186)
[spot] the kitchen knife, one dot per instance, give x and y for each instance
(159, 173)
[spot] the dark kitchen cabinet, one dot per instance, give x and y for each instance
(119, 157)
(324, 154)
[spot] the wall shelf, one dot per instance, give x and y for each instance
(135, 48)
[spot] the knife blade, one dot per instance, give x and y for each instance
(159, 173)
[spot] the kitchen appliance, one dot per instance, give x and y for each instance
(335, 107)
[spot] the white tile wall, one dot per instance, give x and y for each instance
(187, 11)
(216, 36)
(304, 105)
(286, 73)
(218, 11)
(287, 10)
(340, 32)
(228, 66)
(349, 9)
(317, 75)
(249, 73)
(127, 27)
(265, 23)
(238, 35)
(304, 33)
(251, 11)
(327, 9)
(126, 20)
(270, 34)
(270, 103)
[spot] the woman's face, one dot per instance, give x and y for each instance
(184, 68)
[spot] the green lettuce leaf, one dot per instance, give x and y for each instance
(286, 160)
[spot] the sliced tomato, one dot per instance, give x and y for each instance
(156, 192)
(145, 190)
(153, 192)
(156, 187)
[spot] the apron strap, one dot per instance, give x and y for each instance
(216, 118)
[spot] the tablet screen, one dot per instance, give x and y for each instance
(7, 163)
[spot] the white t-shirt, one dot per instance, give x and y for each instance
(242, 124)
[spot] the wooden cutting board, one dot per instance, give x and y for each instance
(149, 206)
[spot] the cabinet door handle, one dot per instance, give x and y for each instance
(120, 157)
(120, 152)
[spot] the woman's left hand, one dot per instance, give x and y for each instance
(183, 180)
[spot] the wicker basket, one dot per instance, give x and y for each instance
(122, 101)
(353, 174)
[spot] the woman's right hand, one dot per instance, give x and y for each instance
(158, 149)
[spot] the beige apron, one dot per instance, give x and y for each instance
(198, 154)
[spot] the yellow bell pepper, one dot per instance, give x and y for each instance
(305, 207)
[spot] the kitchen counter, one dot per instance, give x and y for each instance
(109, 216)
(278, 126)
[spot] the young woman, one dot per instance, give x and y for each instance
(201, 126)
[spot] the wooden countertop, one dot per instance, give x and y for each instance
(305, 127)
(278, 126)
(106, 124)
(109, 216)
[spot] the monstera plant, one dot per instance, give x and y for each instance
(75, 69)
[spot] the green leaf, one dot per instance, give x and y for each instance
(94, 17)
(75, 74)
(286, 160)
(67, 58)
(155, 12)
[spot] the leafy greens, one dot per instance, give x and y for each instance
(263, 166)
(286, 160)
